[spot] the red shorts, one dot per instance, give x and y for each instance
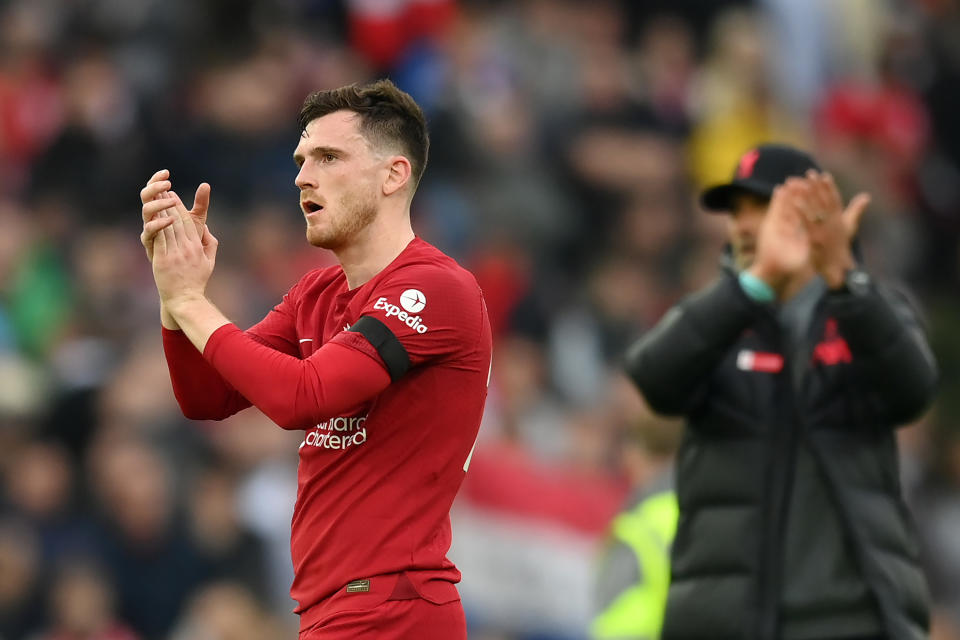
(389, 607)
(395, 620)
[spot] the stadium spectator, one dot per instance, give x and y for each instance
(227, 611)
(634, 570)
(227, 550)
(142, 543)
(82, 606)
(21, 604)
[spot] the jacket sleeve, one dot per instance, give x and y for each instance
(890, 350)
(671, 362)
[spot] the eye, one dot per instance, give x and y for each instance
(328, 157)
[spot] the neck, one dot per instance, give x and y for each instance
(374, 247)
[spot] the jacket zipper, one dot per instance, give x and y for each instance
(771, 582)
(783, 463)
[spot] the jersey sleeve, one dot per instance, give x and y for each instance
(278, 329)
(418, 315)
(201, 391)
(293, 392)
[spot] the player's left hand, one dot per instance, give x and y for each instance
(183, 260)
(831, 227)
(160, 203)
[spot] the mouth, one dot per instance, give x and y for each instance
(309, 206)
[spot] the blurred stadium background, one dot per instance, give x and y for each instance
(569, 141)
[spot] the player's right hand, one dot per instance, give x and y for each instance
(160, 204)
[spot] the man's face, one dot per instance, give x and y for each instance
(743, 226)
(340, 180)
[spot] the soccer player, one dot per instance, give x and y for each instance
(383, 361)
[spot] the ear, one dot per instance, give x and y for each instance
(400, 173)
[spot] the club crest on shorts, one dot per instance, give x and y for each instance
(358, 586)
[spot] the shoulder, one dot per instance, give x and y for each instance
(316, 279)
(426, 268)
(322, 275)
(430, 290)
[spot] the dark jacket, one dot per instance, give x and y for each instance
(718, 359)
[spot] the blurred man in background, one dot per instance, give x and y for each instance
(634, 572)
(383, 360)
(83, 605)
(792, 371)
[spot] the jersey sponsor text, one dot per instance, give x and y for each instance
(337, 433)
(412, 321)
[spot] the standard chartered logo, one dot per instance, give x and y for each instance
(337, 433)
(412, 321)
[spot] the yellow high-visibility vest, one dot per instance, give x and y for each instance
(648, 530)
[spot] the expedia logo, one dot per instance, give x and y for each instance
(413, 300)
(412, 321)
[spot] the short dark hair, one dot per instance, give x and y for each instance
(388, 116)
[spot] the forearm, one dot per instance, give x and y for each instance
(167, 321)
(669, 363)
(201, 392)
(890, 349)
(197, 317)
(295, 393)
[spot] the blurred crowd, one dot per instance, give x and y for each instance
(569, 141)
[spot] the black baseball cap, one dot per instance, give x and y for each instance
(759, 170)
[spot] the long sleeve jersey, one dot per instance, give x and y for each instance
(388, 382)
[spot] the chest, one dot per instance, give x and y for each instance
(765, 370)
(326, 313)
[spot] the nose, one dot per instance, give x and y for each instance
(746, 220)
(304, 180)
(741, 224)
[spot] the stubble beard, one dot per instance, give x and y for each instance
(743, 260)
(353, 214)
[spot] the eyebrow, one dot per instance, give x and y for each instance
(317, 151)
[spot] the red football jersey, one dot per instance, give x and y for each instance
(376, 479)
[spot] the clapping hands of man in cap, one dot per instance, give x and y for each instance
(806, 226)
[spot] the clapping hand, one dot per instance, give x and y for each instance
(830, 227)
(177, 241)
(807, 228)
(160, 204)
(783, 246)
